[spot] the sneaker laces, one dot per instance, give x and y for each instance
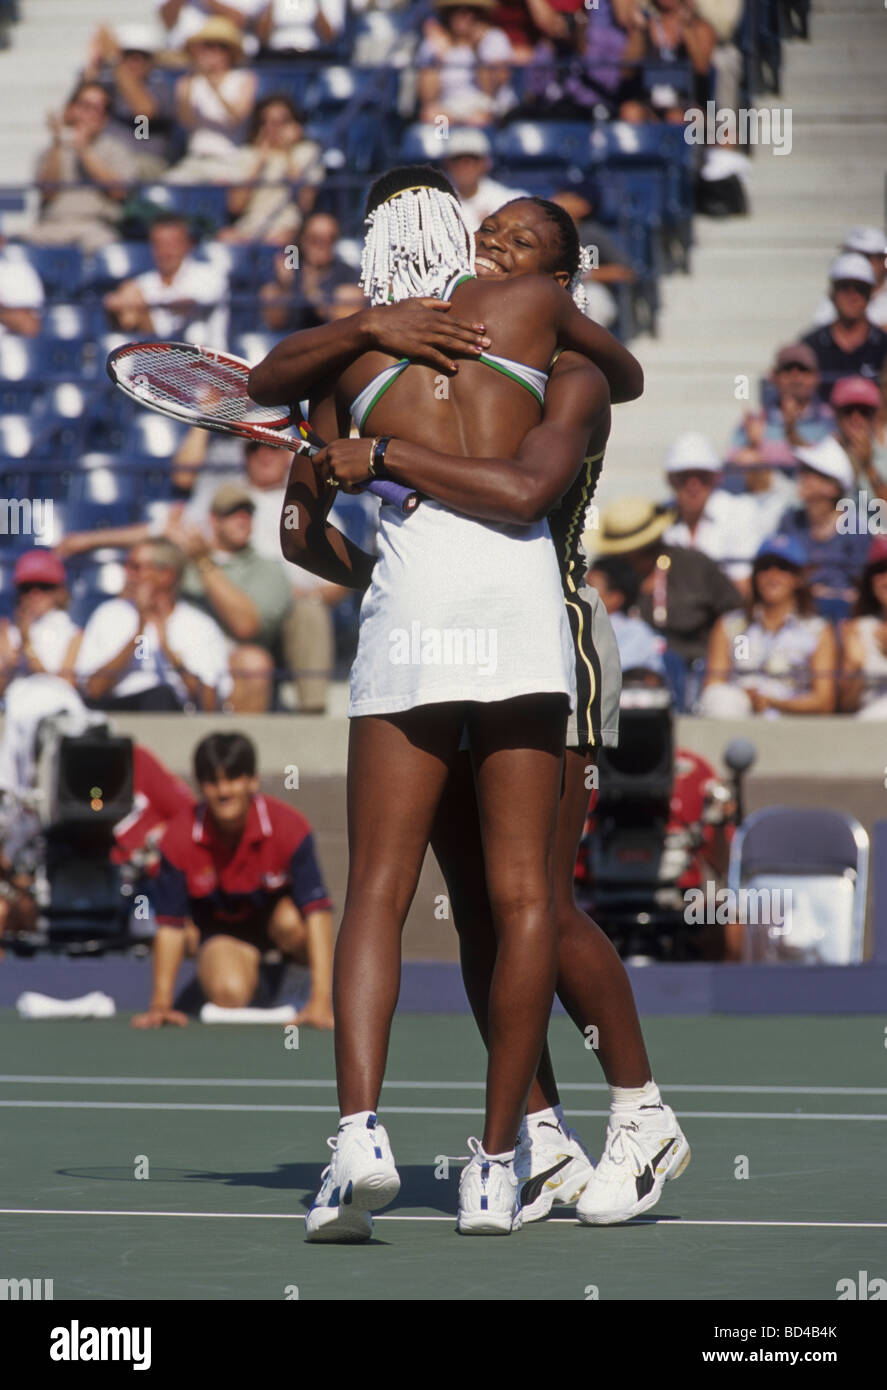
(333, 1143)
(625, 1147)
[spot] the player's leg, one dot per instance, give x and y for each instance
(228, 971)
(397, 767)
(592, 982)
(458, 847)
(517, 751)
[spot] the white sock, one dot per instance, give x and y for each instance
(359, 1117)
(624, 1099)
(496, 1158)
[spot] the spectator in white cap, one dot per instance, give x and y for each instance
(834, 548)
(141, 112)
(851, 346)
(467, 165)
(870, 242)
(857, 403)
(724, 527)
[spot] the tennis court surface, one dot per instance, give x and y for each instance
(228, 1127)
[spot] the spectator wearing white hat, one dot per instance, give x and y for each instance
(182, 18)
(856, 403)
(851, 346)
(122, 59)
(835, 554)
(870, 242)
(723, 526)
(467, 165)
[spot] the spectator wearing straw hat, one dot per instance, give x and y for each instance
(856, 403)
(463, 65)
(213, 103)
(864, 641)
(182, 18)
(682, 592)
(723, 526)
(870, 242)
(787, 661)
(834, 549)
(851, 346)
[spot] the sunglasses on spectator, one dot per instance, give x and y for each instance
(858, 285)
(795, 367)
(869, 411)
(37, 584)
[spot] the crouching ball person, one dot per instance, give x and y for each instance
(238, 877)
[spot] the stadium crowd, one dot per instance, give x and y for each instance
(203, 181)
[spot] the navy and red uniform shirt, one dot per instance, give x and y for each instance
(220, 885)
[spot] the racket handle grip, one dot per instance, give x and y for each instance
(403, 497)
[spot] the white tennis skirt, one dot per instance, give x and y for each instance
(460, 609)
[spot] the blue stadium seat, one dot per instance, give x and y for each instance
(152, 436)
(67, 322)
(394, 33)
(59, 267)
(249, 266)
(205, 203)
(556, 144)
(119, 261)
(22, 437)
(288, 80)
(421, 143)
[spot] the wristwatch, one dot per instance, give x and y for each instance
(377, 460)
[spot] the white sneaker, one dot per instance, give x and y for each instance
(644, 1149)
(361, 1179)
(552, 1166)
(489, 1196)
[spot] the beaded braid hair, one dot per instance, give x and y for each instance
(416, 238)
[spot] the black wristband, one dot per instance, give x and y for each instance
(378, 461)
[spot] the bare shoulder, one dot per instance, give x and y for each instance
(536, 291)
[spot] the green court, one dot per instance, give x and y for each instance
(228, 1126)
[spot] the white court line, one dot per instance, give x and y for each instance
(565, 1221)
(296, 1082)
(402, 1110)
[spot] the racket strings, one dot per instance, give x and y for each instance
(197, 385)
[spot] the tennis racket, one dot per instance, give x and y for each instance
(207, 388)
